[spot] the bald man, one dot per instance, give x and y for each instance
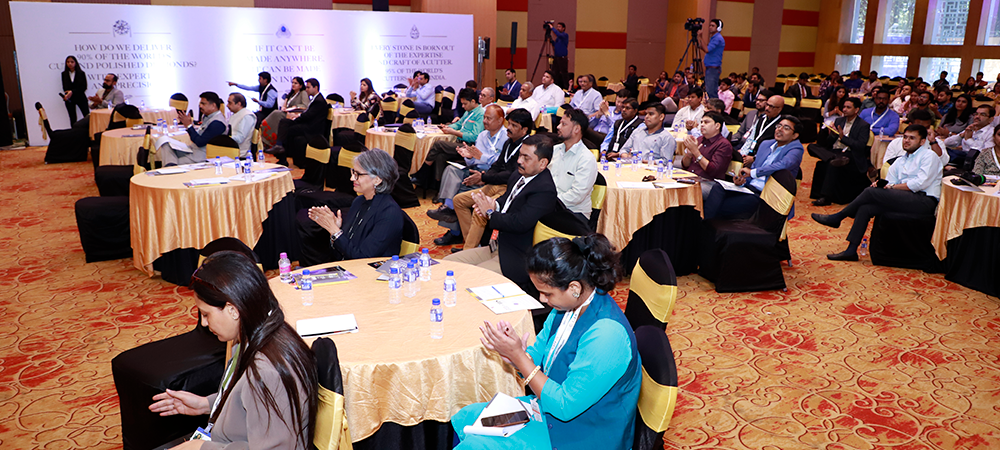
(763, 128)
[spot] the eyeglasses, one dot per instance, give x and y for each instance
(770, 106)
(356, 174)
(784, 127)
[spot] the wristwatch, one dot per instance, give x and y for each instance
(489, 213)
(699, 158)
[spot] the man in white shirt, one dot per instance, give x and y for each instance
(587, 99)
(487, 97)
(549, 94)
(914, 187)
(526, 101)
(977, 136)
(241, 123)
(108, 95)
(925, 119)
(574, 168)
(690, 115)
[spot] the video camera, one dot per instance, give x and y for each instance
(694, 25)
(547, 25)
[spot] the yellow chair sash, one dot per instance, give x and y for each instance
(597, 196)
(332, 432)
(659, 299)
(42, 117)
(362, 127)
(409, 120)
(438, 96)
(734, 167)
(132, 122)
(450, 95)
(813, 103)
(179, 104)
(406, 140)
(390, 105)
(408, 247)
(871, 139)
(117, 117)
(346, 158)
(404, 110)
(656, 403)
(544, 232)
(318, 154)
(777, 197)
(211, 151)
(330, 113)
(256, 136)
(733, 128)
(884, 171)
(560, 112)
(791, 101)
(597, 154)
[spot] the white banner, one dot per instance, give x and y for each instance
(157, 51)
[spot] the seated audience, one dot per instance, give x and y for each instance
(753, 90)
(660, 85)
(295, 133)
(832, 107)
(901, 99)
(213, 124)
(914, 186)
(882, 120)
(421, 92)
(466, 129)
(574, 168)
(994, 93)
(241, 123)
(690, 114)
(726, 95)
(374, 225)
(108, 95)
(652, 141)
(843, 154)
(267, 92)
(519, 125)
(587, 99)
(607, 118)
(479, 157)
(942, 102)
(871, 83)
(977, 136)
(716, 105)
(583, 364)
(622, 129)
(526, 101)
(783, 152)
(942, 81)
(854, 81)
(762, 129)
(749, 118)
(631, 80)
(801, 89)
(674, 92)
(709, 155)
(988, 161)
(512, 89)
(934, 141)
(368, 100)
(548, 93)
(295, 100)
(487, 97)
(827, 85)
(970, 85)
(268, 397)
(958, 117)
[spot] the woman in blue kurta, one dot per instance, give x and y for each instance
(584, 362)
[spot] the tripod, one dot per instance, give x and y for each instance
(696, 67)
(546, 51)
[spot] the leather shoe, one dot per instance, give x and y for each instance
(448, 239)
(840, 161)
(822, 201)
(444, 214)
(276, 150)
(456, 249)
(826, 219)
(843, 256)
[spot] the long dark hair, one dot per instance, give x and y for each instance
(371, 88)
(953, 115)
(76, 65)
(591, 260)
(834, 101)
(291, 92)
(231, 277)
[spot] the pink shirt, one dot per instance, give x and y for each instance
(728, 98)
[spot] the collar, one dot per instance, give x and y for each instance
(657, 131)
(711, 141)
(575, 148)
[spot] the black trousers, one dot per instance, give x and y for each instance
(74, 102)
(837, 184)
(874, 201)
(560, 68)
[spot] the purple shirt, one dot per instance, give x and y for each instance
(719, 152)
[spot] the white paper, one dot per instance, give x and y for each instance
(345, 323)
(511, 304)
(174, 144)
(496, 291)
(635, 185)
(967, 188)
(253, 177)
(733, 187)
(456, 165)
(169, 170)
(500, 404)
(670, 185)
(201, 181)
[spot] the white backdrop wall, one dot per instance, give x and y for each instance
(159, 50)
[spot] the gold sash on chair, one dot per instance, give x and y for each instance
(318, 154)
(406, 140)
(362, 127)
(42, 117)
(346, 158)
(180, 105)
(777, 197)
(211, 151)
(332, 432)
(544, 232)
(656, 403)
(659, 299)
(404, 110)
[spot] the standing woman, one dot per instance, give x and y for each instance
(74, 86)
(268, 394)
(368, 100)
(295, 99)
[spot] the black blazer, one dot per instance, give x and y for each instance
(378, 230)
(78, 86)
(799, 91)
(501, 170)
(315, 117)
(856, 140)
(517, 225)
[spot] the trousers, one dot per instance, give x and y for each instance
(473, 224)
(874, 201)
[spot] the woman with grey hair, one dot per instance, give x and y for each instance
(374, 225)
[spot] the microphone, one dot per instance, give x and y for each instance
(38, 105)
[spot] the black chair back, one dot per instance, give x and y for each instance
(597, 200)
(230, 244)
(447, 111)
(652, 290)
(658, 394)
(776, 201)
(328, 365)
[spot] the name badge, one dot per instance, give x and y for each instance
(748, 146)
(201, 435)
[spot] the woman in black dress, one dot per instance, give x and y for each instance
(74, 86)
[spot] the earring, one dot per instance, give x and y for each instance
(576, 295)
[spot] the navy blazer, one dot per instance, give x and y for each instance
(378, 231)
(517, 225)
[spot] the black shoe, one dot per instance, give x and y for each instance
(843, 256)
(456, 249)
(448, 239)
(282, 162)
(822, 201)
(276, 150)
(826, 219)
(840, 161)
(443, 214)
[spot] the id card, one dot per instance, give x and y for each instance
(201, 435)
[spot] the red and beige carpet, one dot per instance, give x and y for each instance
(853, 356)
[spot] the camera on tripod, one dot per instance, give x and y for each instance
(694, 25)
(547, 25)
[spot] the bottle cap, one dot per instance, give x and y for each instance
(283, 255)
(424, 250)
(436, 302)
(394, 270)
(409, 264)
(305, 272)
(395, 257)
(450, 273)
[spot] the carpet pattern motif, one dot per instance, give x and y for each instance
(851, 356)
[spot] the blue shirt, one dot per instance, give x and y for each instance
(713, 53)
(561, 43)
(513, 88)
(490, 146)
(886, 124)
(853, 84)
(271, 95)
(423, 95)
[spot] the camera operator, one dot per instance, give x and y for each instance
(560, 51)
(713, 57)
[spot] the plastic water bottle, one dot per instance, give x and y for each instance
(218, 165)
(394, 262)
(247, 169)
(618, 167)
(670, 168)
(285, 268)
(425, 265)
(659, 170)
(650, 162)
(395, 285)
(429, 121)
(450, 289)
(635, 162)
(306, 286)
(863, 250)
(260, 156)
(437, 319)
(410, 277)
(604, 162)
(176, 124)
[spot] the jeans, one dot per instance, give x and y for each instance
(712, 81)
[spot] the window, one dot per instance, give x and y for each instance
(947, 22)
(890, 66)
(931, 68)
(897, 24)
(847, 63)
(989, 67)
(852, 31)
(989, 28)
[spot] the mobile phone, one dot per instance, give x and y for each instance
(881, 183)
(506, 420)
(686, 180)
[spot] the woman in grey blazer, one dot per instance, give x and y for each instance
(268, 394)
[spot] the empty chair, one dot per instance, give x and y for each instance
(70, 145)
(403, 192)
(222, 146)
(309, 190)
(331, 432)
(339, 176)
(103, 224)
(652, 290)
(447, 111)
(335, 100)
(658, 394)
(390, 110)
(114, 180)
(361, 126)
(597, 200)
(411, 236)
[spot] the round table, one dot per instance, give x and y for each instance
(344, 118)
(958, 211)
(118, 147)
(879, 147)
(393, 370)
(166, 215)
(386, 140)
(626, 210)
(100, 118)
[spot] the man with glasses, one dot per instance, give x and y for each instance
(977, 136)
(763, 129)
(760, 102)
(587, 99)
(623, 128)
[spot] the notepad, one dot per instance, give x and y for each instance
(344, 323)
(254, 176)
(733, 187)
(167, 171)
(635, 185)
(504, 298)
(206, 182)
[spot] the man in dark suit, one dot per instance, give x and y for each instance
(295, 133)
(531, 194)
(800, 89)
(760, 103)
(842, 170)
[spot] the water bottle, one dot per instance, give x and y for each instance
(260, 156)
(411, 287)
(437, 319)
(176, 124)
(863, 250)
(618, 167)
(429, 120)
(306, 286)
(394, 262)
(635, 162)
(650, 161)
(218, 165)
(247, 167)
(285, 267)
(659, 170)
(604, 162)
(670, 168)
(395, 285)
(425, 265)
(450, 289)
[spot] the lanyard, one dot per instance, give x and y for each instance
(759, 132)
(565, 329)
(263, 93)
(620, 130)
(506, 159)
(230, 369)
(493, 143)
(879, 117)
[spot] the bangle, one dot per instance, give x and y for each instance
(532, 375)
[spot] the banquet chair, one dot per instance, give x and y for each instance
(411, 236)
(331, 431)
(403, 192)
(114, 180)
(438, 96)
(335, 100)
(409, 117)
(361, 126)
(652, 290)
(222, 146)
(559, 223)
(255, 143)
(390, 111)
(339, 176)
(658, 393)
(69, 145)
(597, 197)
(447, 112)
(744, 255)
(404, 109)
(103, 224)
(314, 166)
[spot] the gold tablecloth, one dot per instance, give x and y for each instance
(879, 147)
(119, 147)
(100, 118)
(345, 118)
(386, 140)
(544, 120)
(959, 210)
(645, 90)
(627, 210)
(393, 370)
(165, 215)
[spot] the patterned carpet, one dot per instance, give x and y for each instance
(852, 356)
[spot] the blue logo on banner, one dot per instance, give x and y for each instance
(283, 32)
(121, 28)
(414, 33)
